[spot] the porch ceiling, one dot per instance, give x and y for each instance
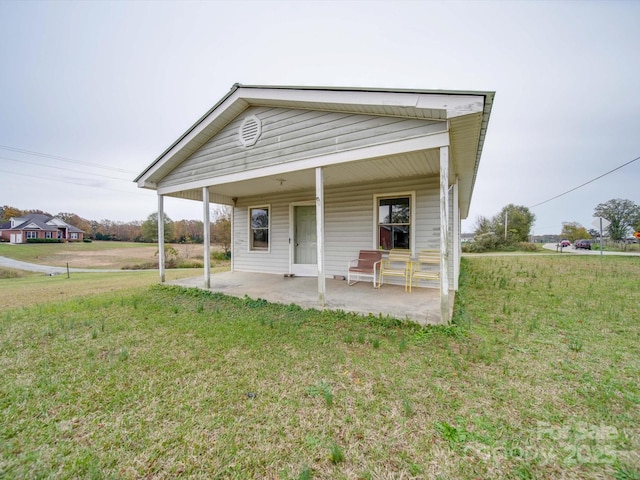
(421, 163)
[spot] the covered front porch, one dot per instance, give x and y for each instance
(421, 305)
(314, 175)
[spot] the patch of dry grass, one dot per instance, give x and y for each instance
(10, 273)
(97, 254)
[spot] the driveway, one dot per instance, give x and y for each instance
(34, 267)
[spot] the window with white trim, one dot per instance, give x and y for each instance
(48, 235)
(31, 234)
(394, 221)
(74, 236)
(259, 228)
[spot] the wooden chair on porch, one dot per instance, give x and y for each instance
(367, 265)
(426, 268)
(398, 264)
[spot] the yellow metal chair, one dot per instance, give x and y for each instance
(427, 267)
(398, 264)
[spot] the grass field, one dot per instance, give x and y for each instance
(102, 255)
(539, 378)
(36, 289)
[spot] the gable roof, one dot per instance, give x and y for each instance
(467, 114)
(38, 221)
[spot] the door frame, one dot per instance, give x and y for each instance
(307, 271)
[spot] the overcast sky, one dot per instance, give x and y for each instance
(110, 85)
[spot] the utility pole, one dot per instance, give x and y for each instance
(506, 219)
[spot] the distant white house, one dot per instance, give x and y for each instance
(38, 226)
(313, 175)
(467, 237)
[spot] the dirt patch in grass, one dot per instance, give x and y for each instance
(111, 259)
(101, 255)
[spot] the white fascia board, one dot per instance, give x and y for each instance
(427, 142)
(329, 96)
(454, 104)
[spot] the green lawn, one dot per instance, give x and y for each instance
(539, 378)
(27, 288)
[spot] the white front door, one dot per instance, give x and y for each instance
(304, 248)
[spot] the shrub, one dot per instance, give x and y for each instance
(490, 242)
(483, 243)
(142, 266)
(9, 273)
(188, 264)
(220, 256)
(527, 247)
(44, 240)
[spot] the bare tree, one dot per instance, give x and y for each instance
(221, 227)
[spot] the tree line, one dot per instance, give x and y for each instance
(180, 231)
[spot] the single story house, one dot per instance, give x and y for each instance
(38, 226)
(313, 175)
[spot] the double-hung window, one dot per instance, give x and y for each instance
(32, 234)
(394, 221)
(259, 228)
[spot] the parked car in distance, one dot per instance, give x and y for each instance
(586, 244)
(565, 243)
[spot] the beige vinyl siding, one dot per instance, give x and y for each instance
(276, 260)
(290, 135)
(349, 224)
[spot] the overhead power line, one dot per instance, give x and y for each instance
(66, 169)
(65, 159)
(49, 179)
(586, 183)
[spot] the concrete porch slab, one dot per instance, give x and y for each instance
(422, 305)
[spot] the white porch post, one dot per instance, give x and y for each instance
(206, 237)
(444, 234)
(322, 286)
(456, 236)
(232, 227)
(161, 237)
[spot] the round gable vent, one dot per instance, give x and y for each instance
(250, 131)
